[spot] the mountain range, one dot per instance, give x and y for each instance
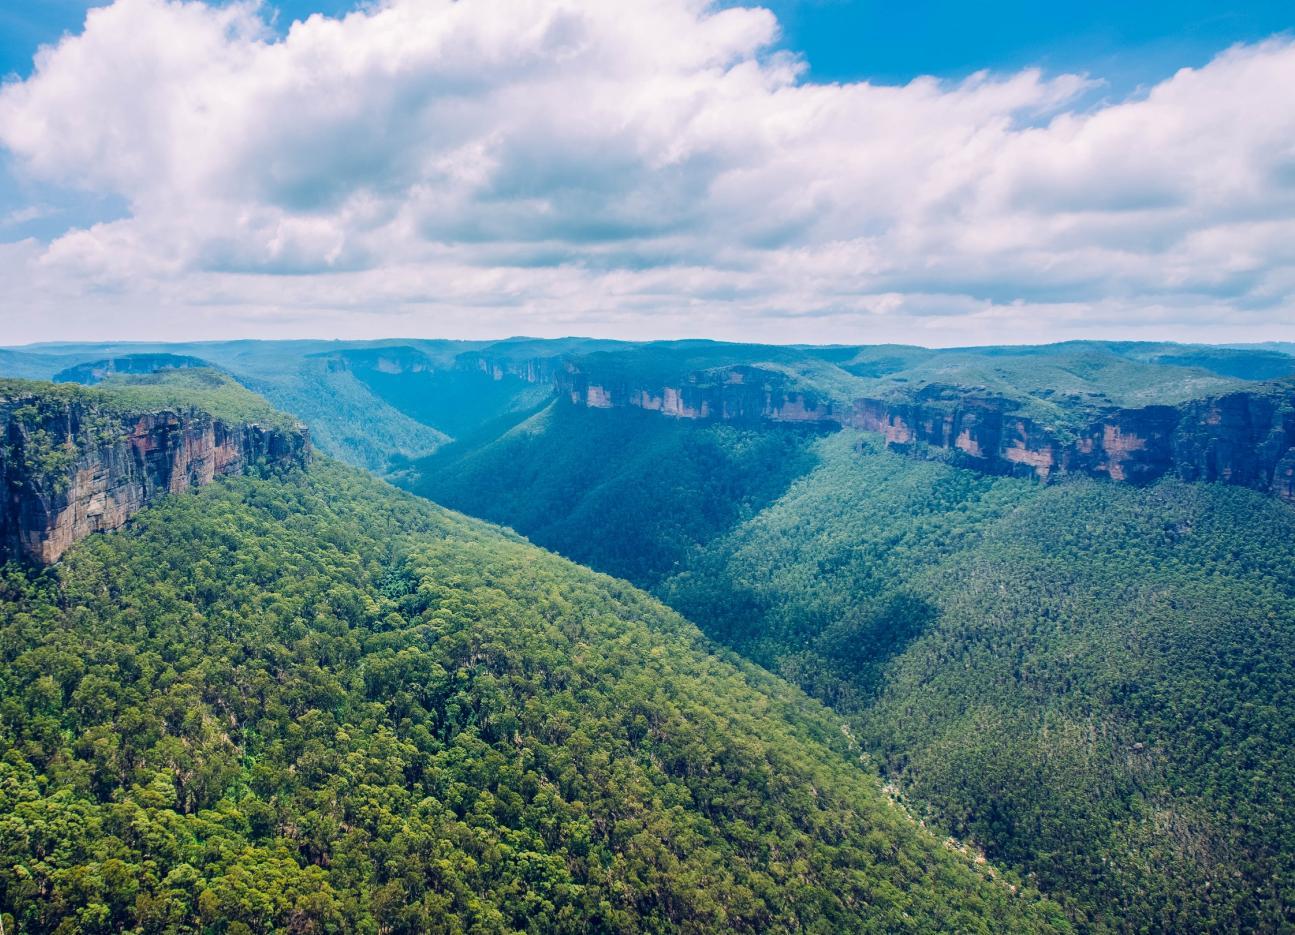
(897, 639)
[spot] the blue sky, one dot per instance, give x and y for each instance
(650, 168)
(1125, 42)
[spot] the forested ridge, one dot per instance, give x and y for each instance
(1091, 681)
(627, 492)
(201, 391)
(379, 404)
(1094, 682)
(308, 702)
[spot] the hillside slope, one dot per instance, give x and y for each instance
(1094, 682)
(309, 702)
(1090, 680)
(627, 492)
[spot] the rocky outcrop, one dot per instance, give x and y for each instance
(1241, 438)
(1245, 438)
(402, 359)
(990, 434)
(69, 468)
(391, 360)
(538, 370)
(731, 394)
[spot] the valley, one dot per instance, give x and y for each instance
(1047, 591)
(294, 698)
(653, 467)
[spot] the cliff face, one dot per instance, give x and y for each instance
(733, 394)
(396, 359)
(1245, 438)
(538, 370)
(68, 470)
(1240, 438)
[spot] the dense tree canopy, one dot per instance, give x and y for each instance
(625, 491)
(1091, 681)
(1094, 682)
(312, 703)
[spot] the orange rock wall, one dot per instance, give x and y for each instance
(115, 475)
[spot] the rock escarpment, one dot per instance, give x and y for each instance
(538, 370)
(732, 394)
(390, 360)
(1245, 437)
(1240, 438)
(70, 466)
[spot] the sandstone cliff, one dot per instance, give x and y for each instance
(1245, 437)
(70, 466)
(538, 370)
(730, 393)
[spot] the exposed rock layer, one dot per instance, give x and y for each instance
(537, 370)
(733, 393)
(1245, 438)
(68, 470)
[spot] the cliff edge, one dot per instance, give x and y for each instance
(74, 461)
(1244, 437)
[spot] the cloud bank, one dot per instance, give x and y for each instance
(640, 168)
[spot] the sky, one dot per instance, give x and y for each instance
(808, 171)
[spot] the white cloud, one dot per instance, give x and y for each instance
(648, 167)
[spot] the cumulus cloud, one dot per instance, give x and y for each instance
(648, 167)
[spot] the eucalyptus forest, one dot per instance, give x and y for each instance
(661, 637)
